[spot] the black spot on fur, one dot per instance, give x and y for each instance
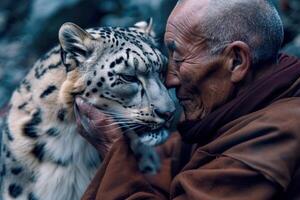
(48, 91)
(53, 132)
(15, 190)
(61, 114)
(102, 79)
(30, 127)
(99, 84)
(126, 63)
(20, 107)
(39, 151)
(112, 65)
(16, 170)
(142, 92)
(25, 83)
(8, 154)
(62, 163)
(7, 131)
(41, 70)
(31, 196)
(119, 60)
(3, 148)
(94, 90)
(95, 73)
(127, 53)
(109, 74)
(87, 94)
(54, 66)
(88, 82)
(3, 171)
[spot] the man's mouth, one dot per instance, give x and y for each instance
(183, 98)
(183, 101)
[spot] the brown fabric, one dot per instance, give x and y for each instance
(127, 184)
(254, 156)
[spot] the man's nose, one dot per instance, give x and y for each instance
(172, 80)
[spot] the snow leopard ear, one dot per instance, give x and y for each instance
(76, 44)
(145, 27)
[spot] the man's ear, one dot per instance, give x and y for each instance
(145, 27)
(76, 44)
(240, 60)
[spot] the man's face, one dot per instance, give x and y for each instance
(202, 80)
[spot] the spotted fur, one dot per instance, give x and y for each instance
(118, 70)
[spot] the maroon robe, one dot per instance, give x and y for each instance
(247, 149)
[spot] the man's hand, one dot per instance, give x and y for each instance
(99, 129)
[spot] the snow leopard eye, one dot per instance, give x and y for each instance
(129, 78)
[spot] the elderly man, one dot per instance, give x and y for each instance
(240, 137)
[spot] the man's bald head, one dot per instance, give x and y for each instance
(255, 22)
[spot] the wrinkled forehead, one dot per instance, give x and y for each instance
(188, 13)
(139, 49)
(184, 25)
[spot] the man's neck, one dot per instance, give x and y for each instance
(254, 75)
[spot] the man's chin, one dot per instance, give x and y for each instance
(196, 114)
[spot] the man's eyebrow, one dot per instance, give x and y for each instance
(171, 45)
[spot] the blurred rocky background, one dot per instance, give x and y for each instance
(28, 28)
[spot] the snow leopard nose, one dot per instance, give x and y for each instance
(167, 115)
